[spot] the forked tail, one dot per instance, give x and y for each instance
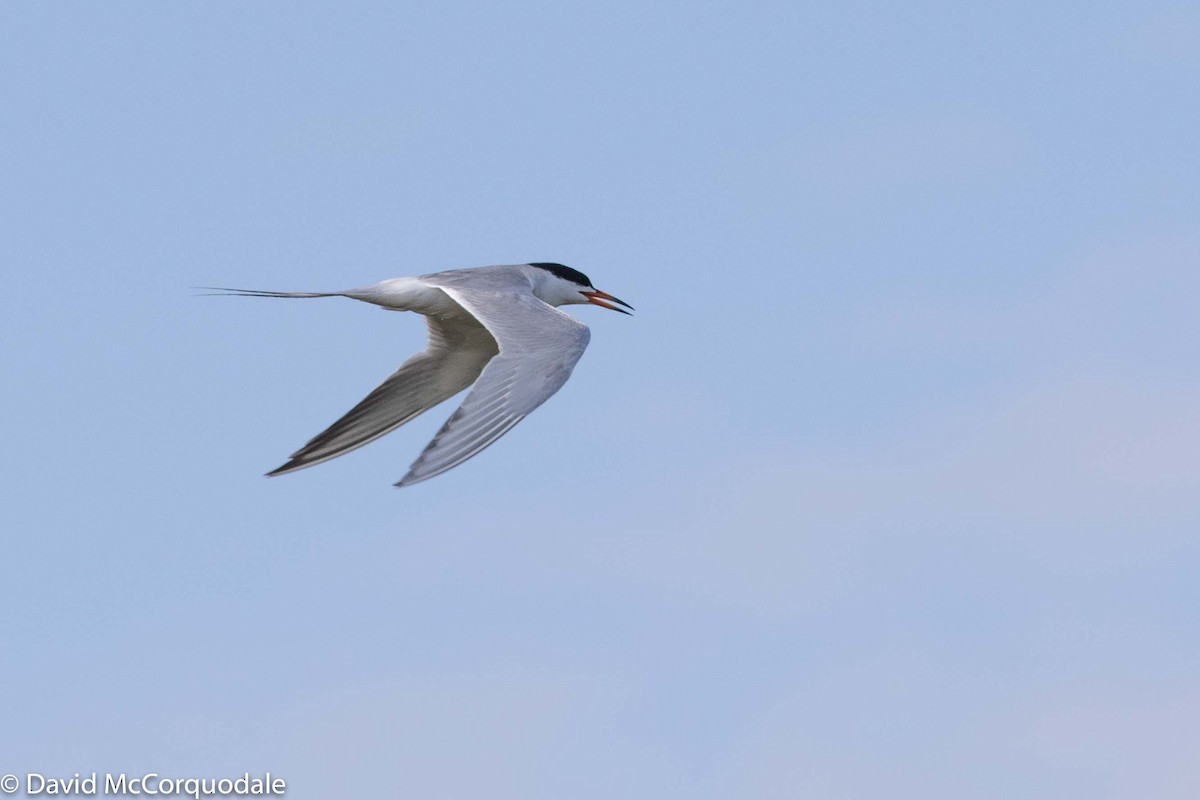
(226, 291)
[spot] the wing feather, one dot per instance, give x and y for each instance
(538, 348)
(459, 348)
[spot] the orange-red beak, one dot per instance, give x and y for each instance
(597, 298)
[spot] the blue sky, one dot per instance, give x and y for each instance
(888, 489)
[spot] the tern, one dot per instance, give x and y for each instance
(496, 329)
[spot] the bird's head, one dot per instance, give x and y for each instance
(559, 286)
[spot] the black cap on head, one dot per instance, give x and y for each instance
(564, 272)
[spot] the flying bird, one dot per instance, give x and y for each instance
(495, 329)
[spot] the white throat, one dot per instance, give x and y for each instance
(556, 291)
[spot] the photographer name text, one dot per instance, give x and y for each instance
(150, 784)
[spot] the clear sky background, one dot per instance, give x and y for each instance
(889, 489)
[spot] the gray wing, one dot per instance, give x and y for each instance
(539, 347)
(459, 348)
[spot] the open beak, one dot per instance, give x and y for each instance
(597, 298)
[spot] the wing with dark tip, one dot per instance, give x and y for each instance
(538, 348)
(459, 348)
